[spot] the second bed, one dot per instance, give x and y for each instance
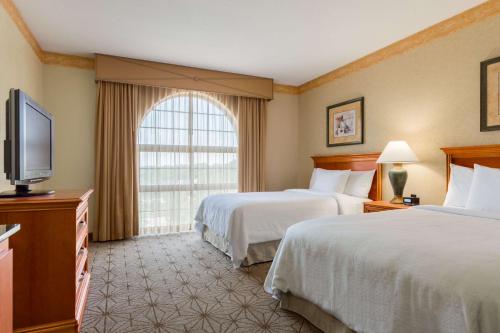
(249, 226)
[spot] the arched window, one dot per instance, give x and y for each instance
(187, 150)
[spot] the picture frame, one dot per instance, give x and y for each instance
(490, 95)
(345, 123)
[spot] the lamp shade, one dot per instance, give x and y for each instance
(397, 152)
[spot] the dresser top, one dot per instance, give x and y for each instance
(7, 230)
(60, 199)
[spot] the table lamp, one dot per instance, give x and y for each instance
(397, 153)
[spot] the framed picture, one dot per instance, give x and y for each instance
(490, 95)
(345, 123)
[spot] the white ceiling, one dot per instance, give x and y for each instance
(292, 41)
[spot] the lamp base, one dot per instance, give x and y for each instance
(398, 177)
(398, 199)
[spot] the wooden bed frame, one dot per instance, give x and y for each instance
(488, 155)
(356, 162)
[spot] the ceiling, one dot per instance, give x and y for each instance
(291, 41)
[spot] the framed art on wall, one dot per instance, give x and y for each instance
(490, 95)
(345, 123)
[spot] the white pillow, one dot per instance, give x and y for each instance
(359, 183)
(313, 177)
(329, 181)
(459, 186)
(485, 189)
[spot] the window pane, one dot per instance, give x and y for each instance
(187, 150)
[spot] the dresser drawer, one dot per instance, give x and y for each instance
(82, 216)
(82, 230)
(81, 262)
(81, 237)
(82, 210)
(82, 290)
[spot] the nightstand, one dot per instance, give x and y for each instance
(380, 206)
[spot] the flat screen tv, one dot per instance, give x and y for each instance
(28, 146)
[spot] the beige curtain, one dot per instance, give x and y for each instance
(120, 110)
(251, 136)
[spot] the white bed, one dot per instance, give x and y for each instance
(425, 269)
(249, 226)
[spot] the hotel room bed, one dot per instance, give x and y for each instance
(425, 269)
(249, 226)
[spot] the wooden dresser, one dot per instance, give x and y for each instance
(51, 277)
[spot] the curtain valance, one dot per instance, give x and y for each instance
(156, 74)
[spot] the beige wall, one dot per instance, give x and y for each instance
(70, 95)
(428, 96)
(281, 142)
(19, 68)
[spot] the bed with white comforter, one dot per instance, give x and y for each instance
(243, 219)
(421, 270)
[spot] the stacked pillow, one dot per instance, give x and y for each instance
(477, 188)
(459, 186)
(354, 183)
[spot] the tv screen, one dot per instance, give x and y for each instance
(28, 146)
(38, 140)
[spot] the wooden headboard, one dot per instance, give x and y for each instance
(468, 156)
(357, 162)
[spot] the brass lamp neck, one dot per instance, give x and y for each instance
(397, 166)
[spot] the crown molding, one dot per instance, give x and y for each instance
(52, 58)
(441, 29)
(286, 89)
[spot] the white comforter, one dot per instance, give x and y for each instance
(248, 218)
(428, 269)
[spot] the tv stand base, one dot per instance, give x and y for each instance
(24, 191)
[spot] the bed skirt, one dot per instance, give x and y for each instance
(256, 253)
(316, 316)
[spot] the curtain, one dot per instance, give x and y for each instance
(121, 109)
(251, 132)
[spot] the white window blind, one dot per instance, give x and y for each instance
(187, 150)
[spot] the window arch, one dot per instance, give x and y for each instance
(187, 150)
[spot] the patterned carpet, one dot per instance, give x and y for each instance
(178, 283)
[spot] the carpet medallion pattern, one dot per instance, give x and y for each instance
(178, 283)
